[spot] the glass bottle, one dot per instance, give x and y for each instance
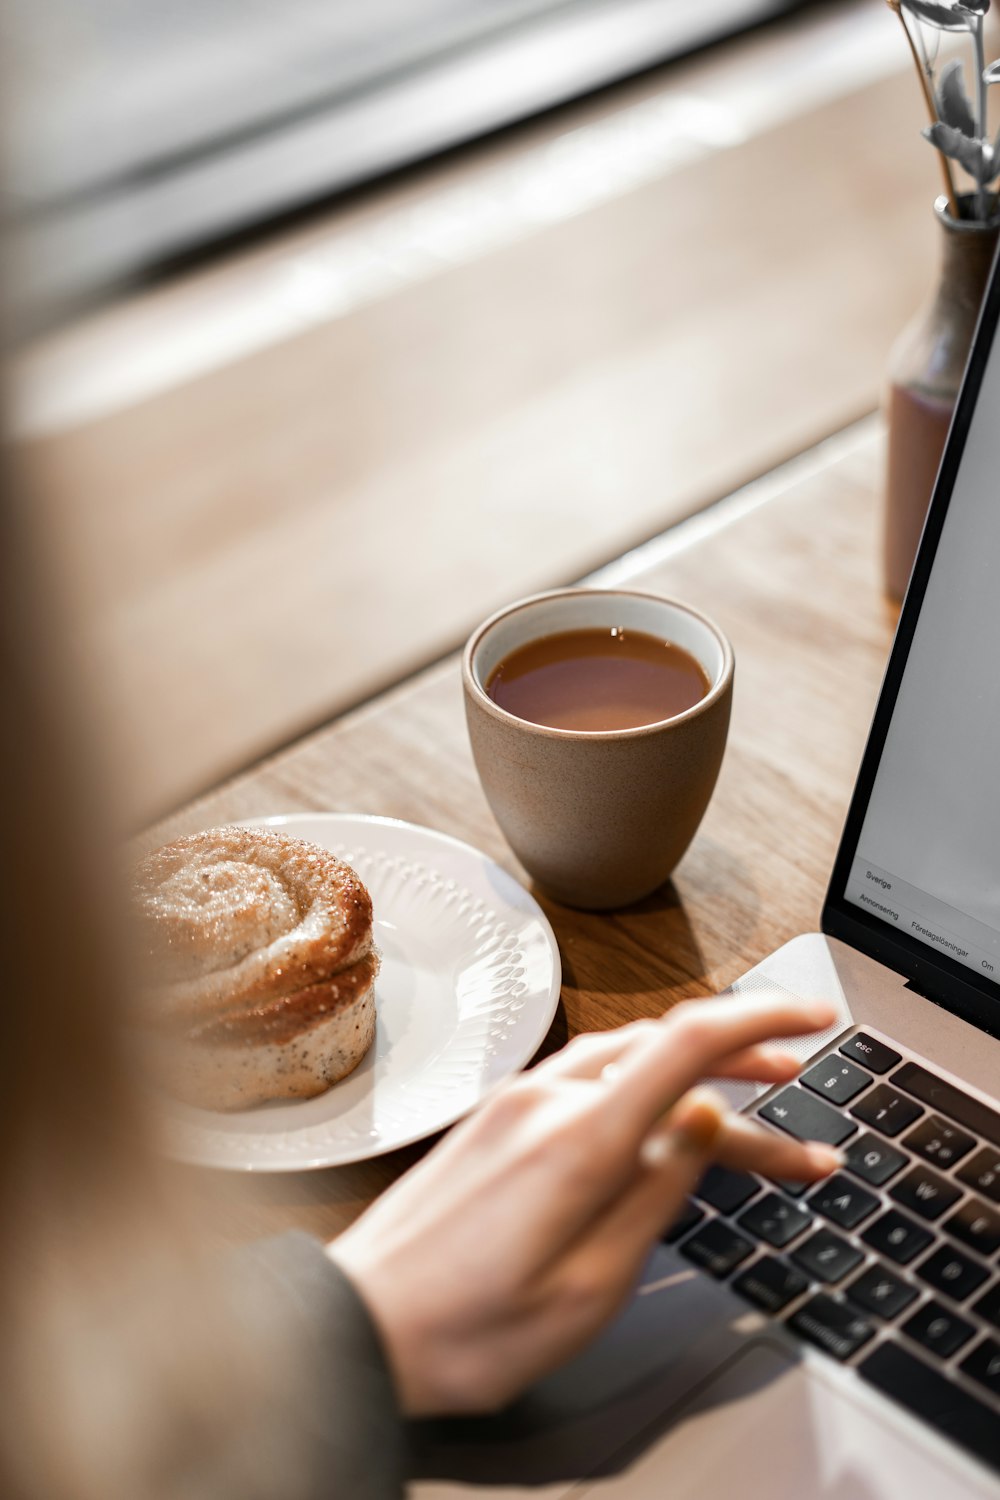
(925, 371)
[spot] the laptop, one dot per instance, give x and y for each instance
(842, 1341)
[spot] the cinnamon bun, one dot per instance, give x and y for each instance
(258, 966)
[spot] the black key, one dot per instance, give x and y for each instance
(841, 1200)
(988, 1306)
(875, 1055)
(832, 1325)
(887, 1109)
(716, 1248)
(826, 1256)
(774, 1219)
(976, 1226)
(689, 1216)
(983, 1365)
(771, 1283)
(807, 1118)
(938, 1142)
(982, 1172)
(940, 1331)
(836, 1079)
(952, 1272)
(948, 1100)
(935, 1399)
(879, 1290)
(725, 1190)
(897, 1237)
(795, 1189)
(925, 1192)
(873, 1159)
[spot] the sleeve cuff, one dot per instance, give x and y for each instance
(350, 1410)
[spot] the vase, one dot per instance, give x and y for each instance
(925, 371)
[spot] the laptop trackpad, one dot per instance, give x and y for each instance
(768, 1428)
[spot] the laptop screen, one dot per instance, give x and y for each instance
(921, 853)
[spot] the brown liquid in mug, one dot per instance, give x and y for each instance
(598, 679)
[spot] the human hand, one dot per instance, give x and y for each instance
(522, 1233)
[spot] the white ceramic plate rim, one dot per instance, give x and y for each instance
(226, 1141)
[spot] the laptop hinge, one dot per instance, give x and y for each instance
(924, 993)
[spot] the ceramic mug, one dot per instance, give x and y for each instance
(599, 818)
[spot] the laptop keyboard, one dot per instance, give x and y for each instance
(893, 1263)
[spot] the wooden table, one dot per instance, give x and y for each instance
(789, 568)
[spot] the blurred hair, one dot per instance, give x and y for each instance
(133, 1365)
(116, 1362)
(62, 1073)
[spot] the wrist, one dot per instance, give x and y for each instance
(432, 1374)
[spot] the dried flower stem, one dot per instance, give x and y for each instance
(949, 181)
(981, 102)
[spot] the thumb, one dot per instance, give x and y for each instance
(671, 1160)
(687, 1135)
(676, 1154)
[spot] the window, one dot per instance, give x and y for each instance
(145, 129)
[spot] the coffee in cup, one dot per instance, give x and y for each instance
(598, 679)
(598, 720)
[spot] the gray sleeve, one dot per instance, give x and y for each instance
(350, 1415)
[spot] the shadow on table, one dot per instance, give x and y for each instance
(640, 950)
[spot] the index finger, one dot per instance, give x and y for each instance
(651, 1074)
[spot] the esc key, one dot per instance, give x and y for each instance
(875, 1055)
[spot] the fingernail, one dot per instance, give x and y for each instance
(822, 1013)
(691, 1125)
(698, 1118)
(654, 1150)
(826, 1158)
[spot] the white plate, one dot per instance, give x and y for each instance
(468, 987)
